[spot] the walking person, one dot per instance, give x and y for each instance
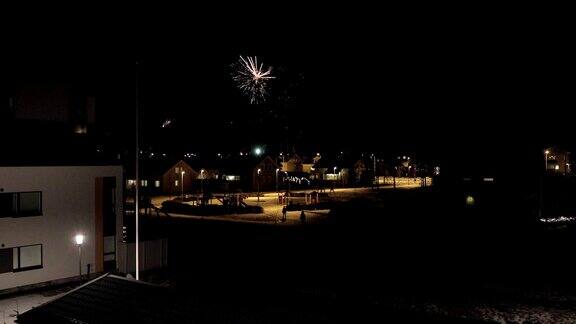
(302, 217)
(283, 214)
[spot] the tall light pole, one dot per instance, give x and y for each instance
(202, 182)
(137, 192)
(546, 159)
(182, 184)
(335, 177)
(374, 170)
(258, 184)
(79, 238)
(277, 170)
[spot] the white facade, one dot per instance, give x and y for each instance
(69, 207)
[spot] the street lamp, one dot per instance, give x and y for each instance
(258, 184)
(546, 159)
(335, 177)
(79, 238)
(202, 182)
(277, 170)
(182, 185)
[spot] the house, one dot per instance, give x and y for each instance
(293, 164)
(265, 174)
(181, 176)
(43, 209)
(557, 160)
(111, 299)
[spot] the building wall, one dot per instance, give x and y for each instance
(173, 176)
(266, 180)
(68, 208)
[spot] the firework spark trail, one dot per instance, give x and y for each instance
(252, 78)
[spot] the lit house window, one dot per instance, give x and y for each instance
(144, 183)
(175, 183)
(130, 183)
(177, 170)
(157, 183)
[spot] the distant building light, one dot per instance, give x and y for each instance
(80, 129)
(470, 201)
(557, 167)
(257, 151)
(557, 219)
(488, 179)
(232, 178)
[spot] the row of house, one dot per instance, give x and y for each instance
(250, 173)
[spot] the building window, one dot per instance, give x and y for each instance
(144, 183)
(109, 248)
(26, 258)
(6, 264)
(157, 183)
(130, 183)
(20, 204)
(232, 178)
(175, 183)
(177, 170)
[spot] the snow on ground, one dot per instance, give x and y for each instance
(12, 306)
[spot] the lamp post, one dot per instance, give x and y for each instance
(277, 170)
(137, 158)
(182, 184)
(374, 169)
(202, 182)
(335, 177)
(546, 159)
(258, 184)
(79, 238)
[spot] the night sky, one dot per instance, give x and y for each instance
(377, 83)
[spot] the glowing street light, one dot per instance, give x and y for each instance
(182, 184)
(202, 182)
(257, 151)
(335, 177)
(258, 184)
(546, 159)
(277, 170)
(79, 239)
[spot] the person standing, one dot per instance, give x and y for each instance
(284, 214)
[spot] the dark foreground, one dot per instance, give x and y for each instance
(402, 256)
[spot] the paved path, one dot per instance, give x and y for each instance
(272, 209)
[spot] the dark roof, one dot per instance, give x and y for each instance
(108, 299)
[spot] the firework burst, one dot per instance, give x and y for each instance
(252, 78)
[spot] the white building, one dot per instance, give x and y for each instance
(43, 208)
